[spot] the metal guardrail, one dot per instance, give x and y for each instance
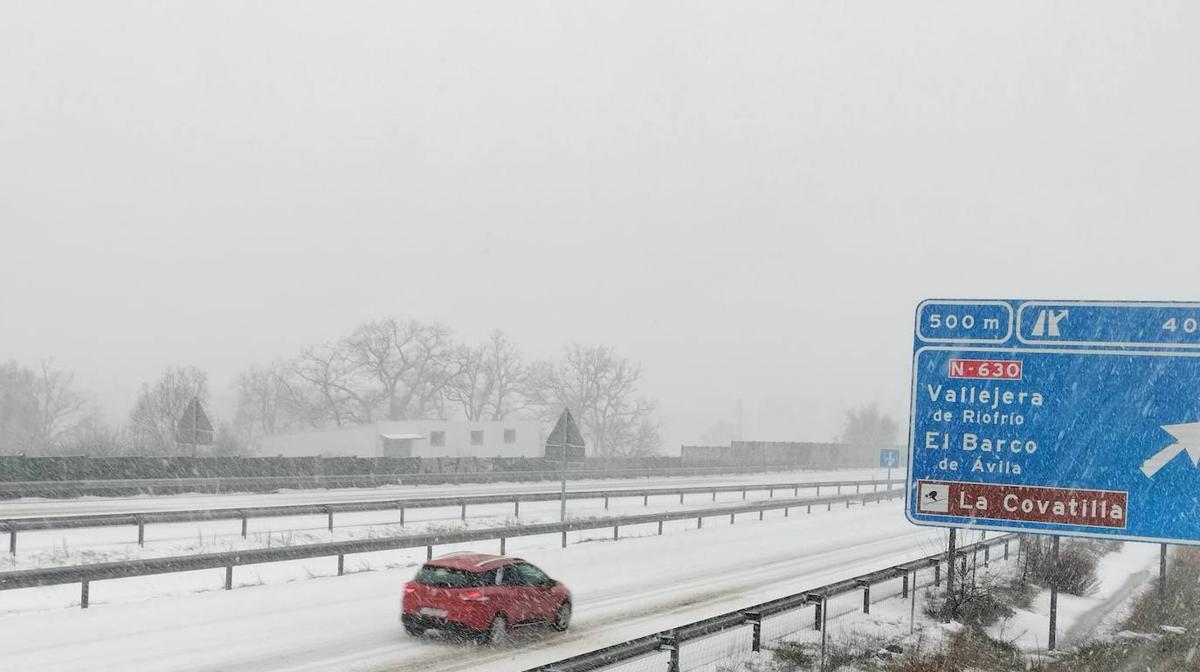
(142, 518)
(818, 597)
(12, 489)
(85, 574)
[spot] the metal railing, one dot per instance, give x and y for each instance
(671, 641)
(12, 489)
(142, 518)
(85, 574)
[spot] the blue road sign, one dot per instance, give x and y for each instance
(1057, 417)
(889, 458)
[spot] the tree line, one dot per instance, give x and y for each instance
(388, 369)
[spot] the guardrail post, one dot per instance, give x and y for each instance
(856, 488)
(341, 564)
(616, 532)
(714, 495)
(796, 491)
(731, 518)
(874, 486)
(743, 494)
(866, 586)
(760, 513)
(937, 574)
(699, 522)
(819, 603)
(1006, 549)
(228, 577)
(83, 594)
(828, 506)
(839, 488)
(645, 500)
(770, 493)
(564, 537)
(401, 516)
(12, 540)
(502, 545)
(429, 552)
(141, 525)
(330, 519)
(244, 526)
(681, 498)
(809, 509)
(606, 502)
(754, 618)
(464, 512)
(516, 508)
(786, 509)
(660, 528)
(670, 643)
(904, 586)
(818, 491)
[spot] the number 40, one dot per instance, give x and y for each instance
(1189, 325)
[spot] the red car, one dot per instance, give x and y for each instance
(482, 597)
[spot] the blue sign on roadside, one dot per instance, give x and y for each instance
(1060, 417)
(889, 458)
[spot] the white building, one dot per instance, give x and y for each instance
(413, 438)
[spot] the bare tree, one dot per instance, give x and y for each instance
(59, 406)
(410, 363)
(600, 388)
(866, 426)
(160, 405)
(38, 407)
(330, 373)
(490, 380)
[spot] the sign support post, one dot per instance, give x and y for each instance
(568, 441)
(1053, 595)
(950, 600)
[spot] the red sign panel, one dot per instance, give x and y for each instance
(1061, 506)
(987, 369)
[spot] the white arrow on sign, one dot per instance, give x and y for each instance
(1187, 437)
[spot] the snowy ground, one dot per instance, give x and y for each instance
(622, 589)
(44, 548)
(1083, 618)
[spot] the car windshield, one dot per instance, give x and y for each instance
(448, 577)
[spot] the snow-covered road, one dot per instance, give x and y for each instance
(622, 590)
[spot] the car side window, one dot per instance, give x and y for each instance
(511, 575)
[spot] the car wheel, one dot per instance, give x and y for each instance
(497, 632)
(414, 631)
(562, 617)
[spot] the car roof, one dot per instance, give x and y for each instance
(472, 562)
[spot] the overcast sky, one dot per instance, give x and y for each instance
(748, 197)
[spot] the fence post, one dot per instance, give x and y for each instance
(670, 643)
(754, 618)
(83, 594)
